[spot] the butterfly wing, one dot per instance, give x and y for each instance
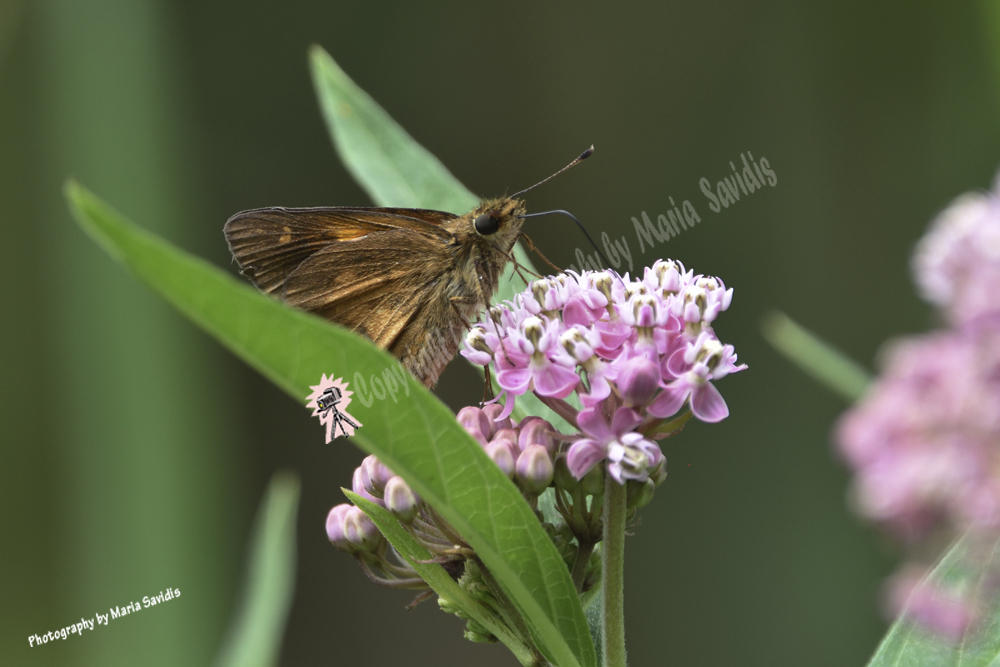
(380, 272)
(270, 243)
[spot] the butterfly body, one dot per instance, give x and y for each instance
(411, 280)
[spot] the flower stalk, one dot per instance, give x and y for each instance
(613, 625)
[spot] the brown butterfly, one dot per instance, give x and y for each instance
(410, 280)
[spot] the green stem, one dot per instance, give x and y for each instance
(613, 628)
(583, 553)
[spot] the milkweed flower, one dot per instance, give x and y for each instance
(625, 362)
(924, 442)
(957, 263)
(634, 352)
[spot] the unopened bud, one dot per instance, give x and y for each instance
(537, 432)
(500, 452)
(534, 469)
(659, 473)
(375, 475)
(360, 484)
(449, 607)
(593, 481)
(641, 493)
(509, 436)
(401, 500)
(475, 632)
(361, 531)
(492, 411)
(476, 423)
(563, 478)
(335, 528)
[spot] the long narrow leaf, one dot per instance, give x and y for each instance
(437, 578)
(814, 356)
(419, 438)
(255, 637)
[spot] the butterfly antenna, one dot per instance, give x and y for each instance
(583, 156)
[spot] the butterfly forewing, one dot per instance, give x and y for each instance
(374, 271)
(270, 243)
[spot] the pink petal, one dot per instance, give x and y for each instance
(576, 312)
(582, 456)
(514, 380)
(613, 334)
(477, 357)
(600, 389)
(554, 380)
(507, 408)
(677, 366)
(592, 423)
(670, 399)
(708, 405)
(625, 420)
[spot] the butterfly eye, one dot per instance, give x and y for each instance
(487, 224)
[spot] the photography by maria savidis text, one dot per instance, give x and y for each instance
(103, 619)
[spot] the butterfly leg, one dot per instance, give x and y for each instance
(531, 246)
(457, 301)
(487, 387)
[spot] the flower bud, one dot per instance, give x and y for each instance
(475, 632)
(500, 452)
(537, 432)
(449, 607)
(534, 469)
(476, 422)
(640, 493)
(401, 500)
(638, 381)
(360, 485)
(509, 436)
(375, 475)
(492, 411)
(335, 528)
(658, 474)
(563, 478)
(361, 531)
(593, 481)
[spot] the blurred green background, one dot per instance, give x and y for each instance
(135, 449)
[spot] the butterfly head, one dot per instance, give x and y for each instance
(497, 222)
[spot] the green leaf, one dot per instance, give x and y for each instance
(439, 579)
(395, 170)
(969, 569)
(254, 640)
(419, 438)
(816, 357)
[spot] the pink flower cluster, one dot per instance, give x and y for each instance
(957, 263)
(635, 352)
(924, 442)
